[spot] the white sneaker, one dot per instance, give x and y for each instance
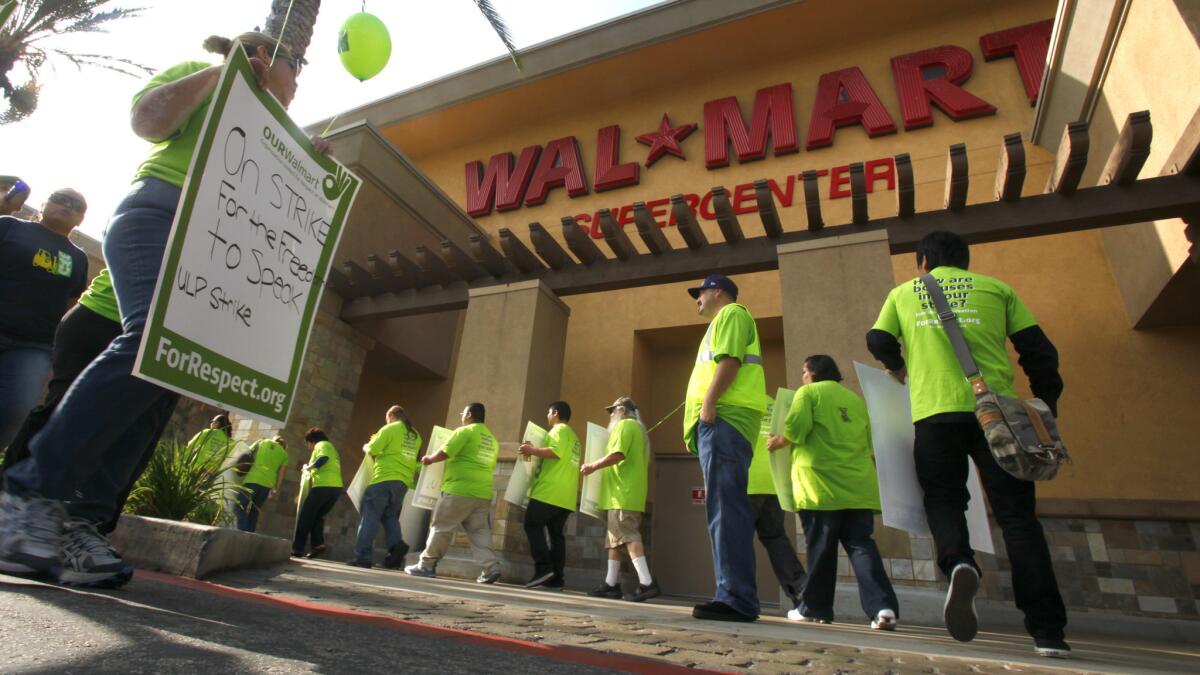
(89, 560)
(417, 570)
(1053, 649)
(884, 620)
(30, 534)
(959, 610)
(795, 615)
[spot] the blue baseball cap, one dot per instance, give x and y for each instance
(716, 281)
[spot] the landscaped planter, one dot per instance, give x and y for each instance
(192, 550)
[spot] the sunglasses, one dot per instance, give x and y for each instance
(68, 201)
(295, 64)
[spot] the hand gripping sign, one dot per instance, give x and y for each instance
(259, 219)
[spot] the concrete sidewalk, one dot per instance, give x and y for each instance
(665, 630)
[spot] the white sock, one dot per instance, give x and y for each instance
(614, 573)
(643, 569)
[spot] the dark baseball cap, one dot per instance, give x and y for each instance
(625, 402)
(716, 281)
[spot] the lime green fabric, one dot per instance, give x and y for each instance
(761, 482)
(212, 445)
(100, 297)
(832, 463)
(988, 310)
(269, 458)
(557, 481)
(731, 333)
(394, 449)
(169, 159)
(623, 485)
(328, 474)
(472, 451)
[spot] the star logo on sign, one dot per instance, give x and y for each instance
(665, 140)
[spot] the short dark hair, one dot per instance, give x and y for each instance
(315, 435)
(563, 409)
(943, 248)
(823, 368)
(223, 423)
(478, 412)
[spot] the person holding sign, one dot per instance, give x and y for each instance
(270, 458)
(82, 441)
(552, 497)
(623, 494)
(214, 443)
(470, 457)
(947, 432)
(769, 519)
(394, 451)
(324, 475)
(726, 399)
(837, 494)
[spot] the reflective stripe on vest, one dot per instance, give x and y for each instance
(706, 351)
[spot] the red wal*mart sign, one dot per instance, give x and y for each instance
(923, 80)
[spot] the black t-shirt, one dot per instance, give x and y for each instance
(40, 272)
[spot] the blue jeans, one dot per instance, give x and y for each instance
(83, 438)
(381, 503)
(823, 530)
(24, 369)
(725, 460)
(249, 504)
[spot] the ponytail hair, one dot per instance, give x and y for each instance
(399, 413)
(251, 41)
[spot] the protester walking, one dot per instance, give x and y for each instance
(948, 434)
(324, 475)
(214, 443)
(263, 478)
(470, 457)
(552, 497)
(837, 494)
(393, 449)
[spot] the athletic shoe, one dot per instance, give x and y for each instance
(1053, 649)
(796, 615)
(395, 556)
(89, 560)
(539, 579)
(645, 592)
(606, 591)
(417, 570)
(30, 534)
(488, 577)
(317, 551)
(719, 611)
(552, 585)
(884, 620)
(365, 564)
(959, 611)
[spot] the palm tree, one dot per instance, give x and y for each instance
(295, 19)
(24, 26)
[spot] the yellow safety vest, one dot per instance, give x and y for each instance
(749, 384)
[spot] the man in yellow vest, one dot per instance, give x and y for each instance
(726, 399)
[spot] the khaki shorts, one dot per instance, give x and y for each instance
(624, 527)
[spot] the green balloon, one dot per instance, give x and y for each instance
(364, 45)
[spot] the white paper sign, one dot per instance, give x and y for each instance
(780, 462)
(589, 494)
(429, 484)
(525, 469)
(361, 479)
(892, 434)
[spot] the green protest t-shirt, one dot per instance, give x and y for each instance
(832, 463)
(169, 159)
(212, 445)
(732, 333)
(100, 297)
(988, 310)
(269, 458)
(394, 449)
(473, 451)
(557, 481)
(623, 485)
(761, 482)
(328, 474)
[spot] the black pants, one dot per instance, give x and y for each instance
(941, 451)
(769, 525)
(80, 337)
(310, 524)
(249, 504)
(823, 531)
(542, 518)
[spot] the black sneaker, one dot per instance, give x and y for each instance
(552, 585)
(395, 556)
(488, 577)
(365, 564)
(538, 579)
(606, 591)
(959, 610)
(317, 551)
(645, 592)
(719, 611)
(1053, 649)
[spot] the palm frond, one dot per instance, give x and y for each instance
(113, 63)
(497, 22)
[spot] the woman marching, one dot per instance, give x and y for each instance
(323, 473)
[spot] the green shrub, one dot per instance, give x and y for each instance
(184, 484)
